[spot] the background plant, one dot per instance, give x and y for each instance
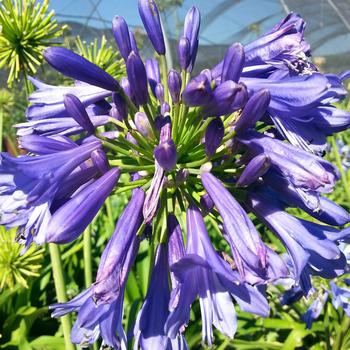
(27, 28)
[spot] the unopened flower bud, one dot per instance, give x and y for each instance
(207, 204)
(142, 124)
(183, 51)
(233, 63)
(164, 108)
(76, 110)
(174, 83)
(191, 31)
(100, 160)
(240, 99)
(121, 35)
(198, 91)
(153, 73)
(150, 18)
(159, 92)
(253, 110)
(120, 105)
(133, 43)
(137, 78)
(213, 136)
(77, 67)
(165, 154)
(125, 84)
(255, 168)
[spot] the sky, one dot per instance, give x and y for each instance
(218, 29)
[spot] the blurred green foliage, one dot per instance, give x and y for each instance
(26, 29)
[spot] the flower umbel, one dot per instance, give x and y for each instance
(189, 146)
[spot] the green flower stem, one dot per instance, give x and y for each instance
(1, 126)
(196, 154)
(151, 254)
(194, 120)
(196, 163)
(131, 186)
(345, 325)
(340, 168)
(192, 137)
(175, 122)
(87, 256)
(183, 119)
(180, 200)
(344, 329)
(141, 140)
(118, 123)
(147, 153)
(183, 80)
(229, 136)
(230, 119)
(113, 146)
(151, 121)
(188, 139)
(164, 74)
(164, 220)
(61, 295)
(194, 171)
(130, 167)
(28, 84)
(141, 229)
(122, 146)
(108, 206)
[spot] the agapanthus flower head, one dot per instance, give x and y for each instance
(235, 145)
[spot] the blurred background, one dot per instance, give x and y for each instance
(223, 22)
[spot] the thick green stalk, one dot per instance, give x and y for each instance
(175, 116)
(228, 136)
(1, 127)
(109, 211)
(87, 256)
(129, 167)
(60, 292)
(344, 329)
(164, 74)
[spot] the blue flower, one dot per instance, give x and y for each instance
(255, 262)
(202, 272)
(149, 328)
(340, 297)
(47, 100)
(315, 309)
(240, 141)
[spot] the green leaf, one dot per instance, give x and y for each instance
(48, 343)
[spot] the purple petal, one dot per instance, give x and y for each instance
(75, 66)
